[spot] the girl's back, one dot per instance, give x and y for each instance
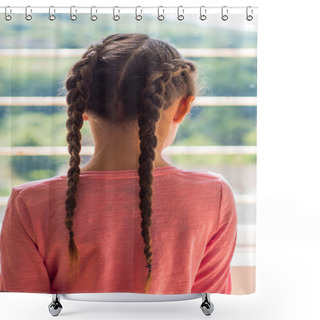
(193, 234)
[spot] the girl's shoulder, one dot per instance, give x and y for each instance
(36, 185)
(203, 175)
(209, 178)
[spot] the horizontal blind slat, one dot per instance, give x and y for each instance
(61, 101)
(77, 53)
(89, 150)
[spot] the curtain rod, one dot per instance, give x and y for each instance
(133, 7)
(180, 11)
(146, 9)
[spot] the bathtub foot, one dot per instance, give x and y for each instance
(206, 305)
(55, 306)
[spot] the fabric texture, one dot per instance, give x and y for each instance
(193, 232)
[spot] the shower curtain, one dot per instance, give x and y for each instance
(217, 139)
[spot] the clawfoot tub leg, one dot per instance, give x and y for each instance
(55, 306)
(206, 305)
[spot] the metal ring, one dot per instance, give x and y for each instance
(203, 16)
(138, 16)
(224, 15)
(51, 16)
(73, 16)
(28, 16)
(93, 17)
(249, 16)
(180, 16)
(116, 17)
(7, 16)
(160, 16)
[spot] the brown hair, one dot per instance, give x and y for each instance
(121, 78)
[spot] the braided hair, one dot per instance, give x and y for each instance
(126, 76)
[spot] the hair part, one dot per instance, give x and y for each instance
(124, 77)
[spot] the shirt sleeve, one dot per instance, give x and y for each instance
(214, 275)
(22, 268)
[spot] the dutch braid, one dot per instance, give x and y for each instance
(77, 84)
(152, 102)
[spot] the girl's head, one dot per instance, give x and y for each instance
(122, 79)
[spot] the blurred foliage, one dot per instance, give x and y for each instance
(223, 125)
(216, 76)
(22, 128)
(211, 160)
(64, 33)
(33, 167)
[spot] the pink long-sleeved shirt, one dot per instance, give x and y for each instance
(193, 232)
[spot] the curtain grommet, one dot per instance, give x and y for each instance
(6, 15)
(51, 16)
(203, 15)
(28, 16)
(93, 17)
(249, 17)
(180, 15)
(116, 17)
(224, 13)
(73, 16)
(160, 16)
(138, 16)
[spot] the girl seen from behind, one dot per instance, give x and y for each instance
(96, 228)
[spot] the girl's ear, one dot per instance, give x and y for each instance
(183, 109)
(84, 116)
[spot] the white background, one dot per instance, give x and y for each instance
(288, 189)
